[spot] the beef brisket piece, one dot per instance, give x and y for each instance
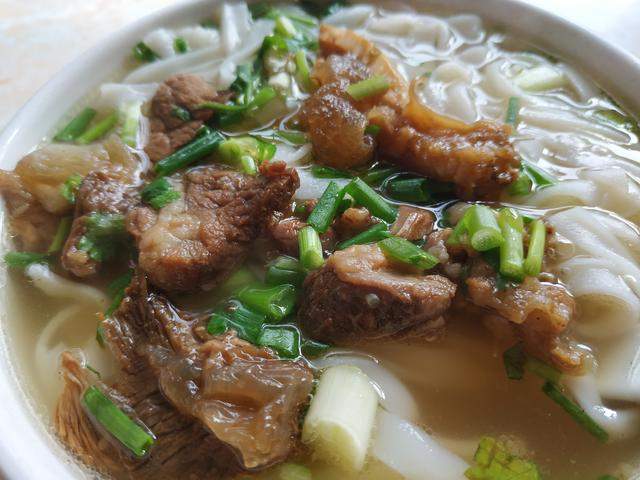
(198, 240)
(359, 295)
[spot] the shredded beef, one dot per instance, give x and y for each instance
(358, 295)
(198, 240)
(168, 130)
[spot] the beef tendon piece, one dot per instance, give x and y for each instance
(539, 314)
(198, 240)
(478, 158)
(413, 223)
(175, 116)
(359, 295)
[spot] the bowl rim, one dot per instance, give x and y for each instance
(28, 449)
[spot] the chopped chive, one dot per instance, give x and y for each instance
(543, 370)
(535, 253)
(540, 176)
(70, 187)
(159, 193)
(372, 201)
(99, 130)
(455, 238)
(402, 250)
(142, 52)
(129, 132)
(312, 348)
(522, 185)
(24, 259)
(512, 249)
(62, 232)
(329, 172)
(366, 88)
(248, 165)
(372, 130)
(326, 208)
(180, 113)
(412, 190)
(378, 175)
(514, 360)
(285, 270)
(261, 98)
(116, 422)
(579, 415)
(303, 71)
(493, 461)
(236, 316)
(285, 27)
(293, 136)
(283, 339)
(310, 248)
(76, 126)
(274, 302)
(484, 232)
(378, 232)
(190, 153)
(293, 471)
(116, 291)
(512, 111)
(100, 335)
(180, 45)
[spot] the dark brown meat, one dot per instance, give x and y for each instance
(284, 231)
(32, 225)
(353, 221)
(538, 312)
(358, 295)
(198, 240)
(109, 190)
(168, 131)
(206, 399)
(413, 223)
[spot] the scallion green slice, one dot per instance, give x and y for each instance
(372, 201)
(310, 248)
(326, 208)
(402, 250)
(366, 88)
(535, 254)
(376, 233)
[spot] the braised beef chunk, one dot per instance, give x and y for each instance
(353, 221)
(175, 116)
(198, 240)
(538, 312)
(284, 231)
(413, 223)
(105, 191)
(358, 295)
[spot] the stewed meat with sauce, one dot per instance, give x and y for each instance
(359, 296)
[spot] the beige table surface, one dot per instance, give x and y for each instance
(38, 37)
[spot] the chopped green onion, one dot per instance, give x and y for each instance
(579, 415)
(329, 172)
(180, 45)
(541, 369)
(116, 422)
(326, 208)
(372, 201)
(142, 52)
(104, 233)
(285, 270)
(372, 130)
(512, 249)
(62, 232)
(619, 120)
(70, 187)
(293, 471)
(285, 27)
(248, 165)
(246, 323)
(535, 253)
(261, 98)
(235, 282)
(378, 175)
(522, 185)
(129, 132)
(512, 111)
(538, 175)
(274, 302)
(293, 136)
(24, 259)
(345, 203)
(312, 348)
(283, 339)
(456, 236)
(376, 233)
(366, 88)
(412, 190)
(99, 130)
(303, 71)
(190, 153)
(494, 462)
(310, 248)
(76, 126)
(514, 360)
(246, 152)
(159, 193)
(484, 232)
(402, 250)
(117, 290)
(181, 113)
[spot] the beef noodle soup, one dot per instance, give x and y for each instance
(334, 243)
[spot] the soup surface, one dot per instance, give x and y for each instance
(334, 242)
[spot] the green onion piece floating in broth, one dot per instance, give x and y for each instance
(538, 175)
(76, 126)
(512, 111)
(367, 88)
(283, 339)
(512, 249)
(484, 232)
(285, 27)
(274, 302)
(235, 315)
(99, 130)
(131, 115)
(312, 348)
(180, 45)
(329, 172)
(535, 254)
(190, 153)
(543, 370)
(303, 71)
(326, 208)
(514, 360)
(142, 52)
(378, 175)
(522, 185)
(62, 232)
(116, 422)
(402, 250)
(379, 231)
(310, 248)
(285, 270)
(293, 471)
(293, 136)
(493, 461)
(412, 190)
(24, 259)
(372, 201)
(553, 391)
(159, 193)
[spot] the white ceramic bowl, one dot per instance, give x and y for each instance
(27, 450)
